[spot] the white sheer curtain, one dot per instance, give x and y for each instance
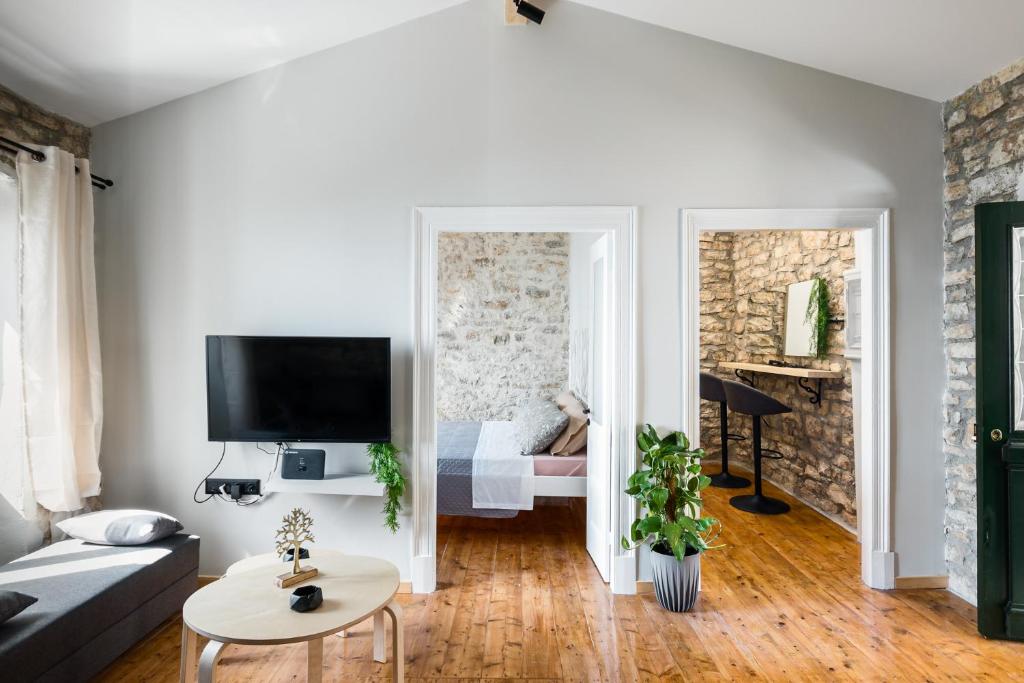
(51, 404)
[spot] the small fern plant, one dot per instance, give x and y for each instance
(669, 490)
(818, 314)
(387, 468)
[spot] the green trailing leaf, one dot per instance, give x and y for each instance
(653, 436)
(673, 532)
(818, 314)
(387, 468)
(668, 489)
(650, 525)
(658, 498)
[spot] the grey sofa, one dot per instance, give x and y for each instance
(95, 602)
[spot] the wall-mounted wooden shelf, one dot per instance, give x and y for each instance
(802, 375)
(808, 373)
(334, 484)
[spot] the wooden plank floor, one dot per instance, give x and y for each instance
(520, 600)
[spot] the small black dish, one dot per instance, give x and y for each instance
(289, 555)
(306, 598)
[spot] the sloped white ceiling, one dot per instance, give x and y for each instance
(97, 60)
(932, 48)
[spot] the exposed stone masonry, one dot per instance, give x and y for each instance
(23, 121)
(984, 155)
(744, 277)
(503, 322)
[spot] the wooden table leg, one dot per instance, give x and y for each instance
(188, 653)
(208, 661)
(397, 641)
(314, 660)
(379, 637)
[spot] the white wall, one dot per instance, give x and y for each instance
(280, 204)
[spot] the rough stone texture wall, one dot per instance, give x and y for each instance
(744, 277)
(503, 322)
(717, 316)
(984, 153)
(23, 121)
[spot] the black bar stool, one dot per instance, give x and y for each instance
(749, 401)
(711, 389)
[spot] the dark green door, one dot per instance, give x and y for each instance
(999, 235)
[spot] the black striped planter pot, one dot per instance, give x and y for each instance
(676, 583)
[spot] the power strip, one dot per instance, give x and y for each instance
(236, 488)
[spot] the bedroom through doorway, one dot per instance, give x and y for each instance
(520, 383)
(524, 381)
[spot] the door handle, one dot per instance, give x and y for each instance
(996, 435)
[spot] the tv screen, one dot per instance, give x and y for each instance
(326, 389)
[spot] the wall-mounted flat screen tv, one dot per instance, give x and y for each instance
(322, 389)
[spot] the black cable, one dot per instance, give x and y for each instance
(277, 459)
(195, 494)
(239, 503)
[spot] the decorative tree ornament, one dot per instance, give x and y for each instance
(295, 531)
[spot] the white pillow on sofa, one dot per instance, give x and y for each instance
(120, 527)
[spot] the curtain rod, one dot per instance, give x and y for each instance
(11, 146)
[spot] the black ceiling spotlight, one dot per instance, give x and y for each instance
(531, 12)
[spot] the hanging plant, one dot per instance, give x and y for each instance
(818, 314)
(384, 464)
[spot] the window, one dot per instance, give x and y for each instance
(8, 258)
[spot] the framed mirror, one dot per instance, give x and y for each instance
(799, 330)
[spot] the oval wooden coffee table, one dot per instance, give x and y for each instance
(246, 608)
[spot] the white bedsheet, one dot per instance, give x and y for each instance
(502, 477)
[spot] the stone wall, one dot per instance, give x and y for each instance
(503, 322)
(984, 153)
(744, 277)
(23, 121)
(717, 316)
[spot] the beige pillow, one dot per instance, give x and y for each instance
(573, 438)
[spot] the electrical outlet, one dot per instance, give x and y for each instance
(247, 487)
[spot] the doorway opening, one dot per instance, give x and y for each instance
(759, 333)
(525, 340)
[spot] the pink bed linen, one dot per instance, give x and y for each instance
(547, 465)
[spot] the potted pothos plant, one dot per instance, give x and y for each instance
(669, 487)
(387, 468)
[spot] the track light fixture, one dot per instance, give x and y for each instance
(531, 12)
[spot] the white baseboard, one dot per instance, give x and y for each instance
(624, 574)
(424, 574)
(881, 573)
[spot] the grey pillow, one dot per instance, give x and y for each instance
(536, 424)
(120, 527)
(11, 603)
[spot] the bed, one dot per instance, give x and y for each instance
(553, 475)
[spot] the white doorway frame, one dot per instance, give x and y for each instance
(874, 513)
(427, 223)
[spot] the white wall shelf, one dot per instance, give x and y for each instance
(332, 484)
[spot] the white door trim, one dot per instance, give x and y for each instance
(427, 223)
(877, 557)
